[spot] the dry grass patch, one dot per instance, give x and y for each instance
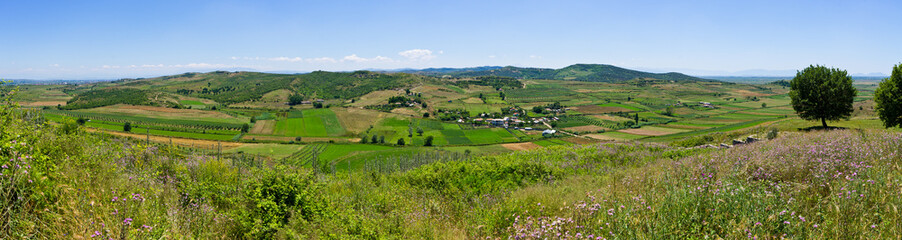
(42, 103)
(580, 140)
(479, 88)
(265, 105)
(407, 111)
(747, 93)
(595, 109)
(602, 137)
(357, 120)
(377, 97)
(438, 92)
(521, 146)
(587, 128)
(652, 131)
(580, 90)
(263, 127)
(611, 118)
(472, 100)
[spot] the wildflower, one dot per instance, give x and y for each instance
(786, 222)
(4, 166)
(815, 226)
(758, 224)
(873, 226)
(96, 233)
(127, 221)
(115, 198)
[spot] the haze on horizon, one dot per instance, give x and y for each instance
(114, 39)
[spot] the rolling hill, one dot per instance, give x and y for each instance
(235, 87)
(228, 88)
(576, 72)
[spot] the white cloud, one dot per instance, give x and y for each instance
(55, 65)
(201, 65)
(286, 59)
(535, 57)
(417, 54)
(321, 60)
(491, 56)
(355, 58)
(382, 59)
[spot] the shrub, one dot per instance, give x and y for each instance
(277, 197)
(428, 141)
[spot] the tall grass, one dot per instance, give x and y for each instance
(826, 185)
(60, 182)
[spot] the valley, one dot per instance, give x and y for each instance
(454, 112)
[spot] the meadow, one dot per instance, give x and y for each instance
(595, 111)
(627, 166)
(826, 184)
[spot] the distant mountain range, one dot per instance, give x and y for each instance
(576, 72)
(29, 81)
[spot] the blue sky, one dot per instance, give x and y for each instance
(117, 39)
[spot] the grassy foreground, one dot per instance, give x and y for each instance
(60, 182)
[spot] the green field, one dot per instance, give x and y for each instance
(342, 120)
(310, 123)
(193, 104)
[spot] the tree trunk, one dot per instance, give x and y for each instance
(824, 122)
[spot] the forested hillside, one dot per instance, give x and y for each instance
(235, 87)
(576, 72)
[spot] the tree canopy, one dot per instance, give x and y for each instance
(888, 97)
(821, 93)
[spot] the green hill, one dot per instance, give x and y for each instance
(235, 87)
(576, 72)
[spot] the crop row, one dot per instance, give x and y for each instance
(175, 123)
(306, 156)
(574, 121)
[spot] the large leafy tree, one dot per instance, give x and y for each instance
(821, 93)
(889, 99)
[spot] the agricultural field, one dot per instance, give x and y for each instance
(41, 95)
(273, 150)
(604, 128)
(592, 111)
(309, 123)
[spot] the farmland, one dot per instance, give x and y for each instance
(452, 113)
(470, 154)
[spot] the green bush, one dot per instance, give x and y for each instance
(277, 197)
